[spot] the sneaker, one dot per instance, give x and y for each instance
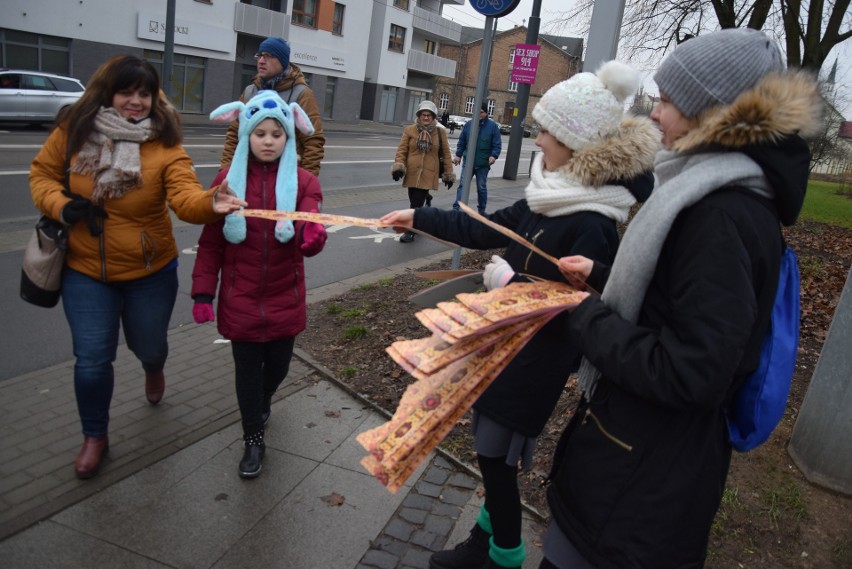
(407, 237)
(469, 554)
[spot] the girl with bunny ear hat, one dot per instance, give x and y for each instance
(257, 264)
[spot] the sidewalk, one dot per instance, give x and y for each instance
(169, 495)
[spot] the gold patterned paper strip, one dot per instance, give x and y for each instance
(431, 411)
(323, 218)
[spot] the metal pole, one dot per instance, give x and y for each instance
(473, 135)
(516, 135)
(603, 33)
(169, 48)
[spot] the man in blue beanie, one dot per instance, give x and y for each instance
(274, 71)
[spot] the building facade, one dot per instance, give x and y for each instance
(559, 59)
(364, 59)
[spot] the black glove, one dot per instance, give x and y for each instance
(397, 175)
(81, 208)
(448, 184)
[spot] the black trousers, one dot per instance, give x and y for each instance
(417, 197)
(260, 368)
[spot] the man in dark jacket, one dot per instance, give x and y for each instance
(639, 472)
(274, 71)
(488, 147)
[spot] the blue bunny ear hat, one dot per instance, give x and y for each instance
(266, 104)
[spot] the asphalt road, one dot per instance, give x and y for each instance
(355, 179)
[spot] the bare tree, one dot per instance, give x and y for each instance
(809, 29)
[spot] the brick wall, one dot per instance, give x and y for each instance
(554, 65)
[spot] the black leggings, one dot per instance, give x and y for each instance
(502, 500)
(417, 197)
(260, 368)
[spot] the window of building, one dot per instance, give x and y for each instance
(396, 40)
(401, 4)
(491, 104)
(429, 47)
(513, 86)
(512, 55)
(328, 105)
(25, 50)
(305, 13)
(187, 83)
(337, 20)
(468, 106)
(443, 101)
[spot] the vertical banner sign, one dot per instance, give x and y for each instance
(526, 63)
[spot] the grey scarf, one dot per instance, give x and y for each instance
(111, 155)
(682, 180)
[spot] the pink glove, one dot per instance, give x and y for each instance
(497, 273)
(313, 237)
(202, 312)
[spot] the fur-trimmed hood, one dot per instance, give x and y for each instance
(623, 156)
(767, 124)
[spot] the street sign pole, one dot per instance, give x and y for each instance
(473, 134)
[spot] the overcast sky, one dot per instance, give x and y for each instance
(467, 16)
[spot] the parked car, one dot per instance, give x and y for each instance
(507, 129)
(35, 97)
(458, 121)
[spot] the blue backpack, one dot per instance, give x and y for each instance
(759, 404)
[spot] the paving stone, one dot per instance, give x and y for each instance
(436, 476)
(399, 529)
(424, 538)
(428, 489)
(412, 515)
(419, 502)
(454, 496)
(380, 559)
(439, 524)
(417, 558)
(463, 480)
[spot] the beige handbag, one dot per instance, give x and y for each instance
(44, 257)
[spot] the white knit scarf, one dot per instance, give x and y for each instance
(111, 155)
(682, 180)
(557, 193)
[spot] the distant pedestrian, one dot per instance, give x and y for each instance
(422, 149)
(487, 151)
(122, 141)
(583, 182)
(258, 263)
(274, 71)
(445, 118)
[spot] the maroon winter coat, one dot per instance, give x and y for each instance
(262, 294)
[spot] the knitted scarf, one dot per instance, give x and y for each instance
(682, 180)
(111, 154)
(558, 193)
(424, 139)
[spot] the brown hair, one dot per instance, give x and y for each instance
(116, 74)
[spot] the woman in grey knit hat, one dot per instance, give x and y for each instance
(640, 470)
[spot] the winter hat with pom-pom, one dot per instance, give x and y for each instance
(587, 107)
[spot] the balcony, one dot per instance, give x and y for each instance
(261, 22)
(431, 64)
(433, 24)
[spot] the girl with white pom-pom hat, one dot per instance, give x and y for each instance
(592, 156)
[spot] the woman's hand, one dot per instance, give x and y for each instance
(224, 200)
(576, 269)
(401, 219)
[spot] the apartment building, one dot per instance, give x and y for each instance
(364, 59)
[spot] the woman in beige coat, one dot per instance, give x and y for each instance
(422, 149)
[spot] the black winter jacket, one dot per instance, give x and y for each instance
(639, 472)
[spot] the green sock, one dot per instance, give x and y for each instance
(507, 557)
(484, 520)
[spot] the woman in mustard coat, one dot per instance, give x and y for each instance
(110, 171)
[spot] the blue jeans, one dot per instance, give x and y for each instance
(481, 175)
(94, 311)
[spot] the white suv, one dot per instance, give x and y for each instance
(35, 97)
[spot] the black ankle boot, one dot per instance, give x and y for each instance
(267, 407)
(250, 465)
(469, 554)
